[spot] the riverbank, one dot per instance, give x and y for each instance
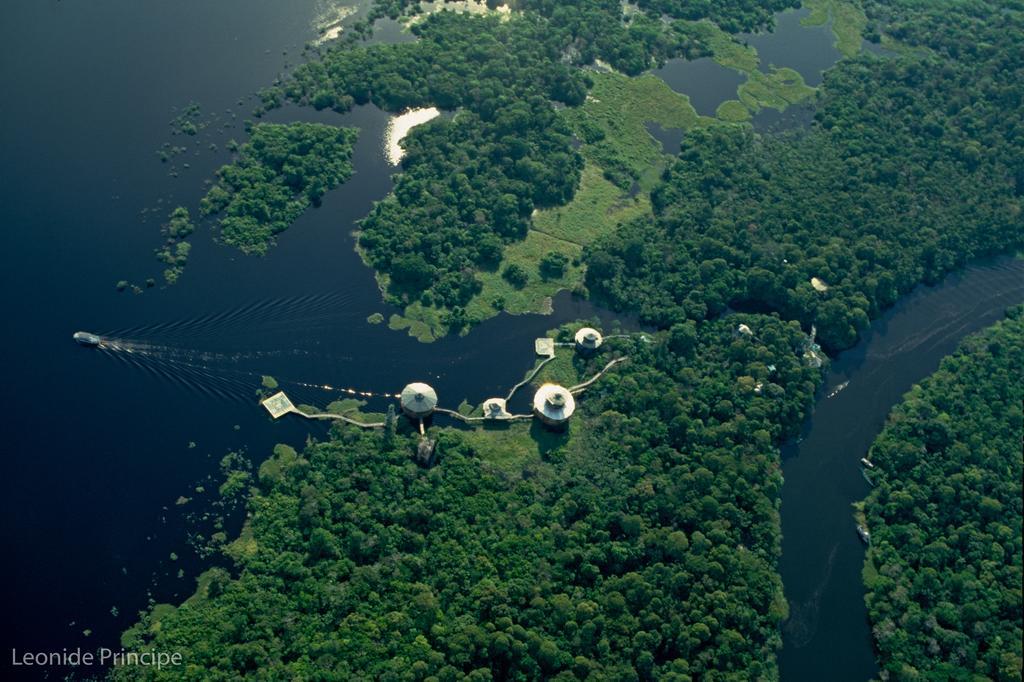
(399, 126)
(822, 556)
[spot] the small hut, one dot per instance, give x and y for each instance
(588, 340)
(494, 408)
(553, 405)
(418, 400)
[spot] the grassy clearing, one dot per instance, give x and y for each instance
(598, 208)
(848, 22)
(724, 48)
(611, 123)
(777, 90)
(498, 294)
(513, 447)
(566, 369)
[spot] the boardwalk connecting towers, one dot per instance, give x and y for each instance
(552, 404)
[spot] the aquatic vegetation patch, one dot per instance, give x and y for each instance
(611, 125)
(724, 48)
(848, 22)
(423, 322)
(776, 89)
(732, 111)
(174, 252)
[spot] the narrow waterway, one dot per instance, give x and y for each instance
(827, 636)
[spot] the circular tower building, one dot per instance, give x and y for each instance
(418, 400)
(553, 405)
(588, 340)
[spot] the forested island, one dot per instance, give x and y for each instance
(944, 570)
(278, 174)
(642, 543)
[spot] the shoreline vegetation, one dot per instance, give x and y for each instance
(943, 573)
(617, 145)
(643, 541)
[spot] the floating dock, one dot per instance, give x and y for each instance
(278, 405)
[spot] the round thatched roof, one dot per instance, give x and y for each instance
(588, 338)
(553, 404)
(418, 399)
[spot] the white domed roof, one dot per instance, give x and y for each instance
(588, 337)
(418, 399)
(553, 403)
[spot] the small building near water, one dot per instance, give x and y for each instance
(418, 400)
(279, 405)
(495, 408)
(553, 405)
(588, 340)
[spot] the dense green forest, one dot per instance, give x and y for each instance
(471, 183)
(944, 571)
(278, 174)
(914, 167)
(911, 168)
(641, 544)
(632, 39)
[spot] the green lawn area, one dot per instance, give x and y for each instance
(511, 447)
(596, 210)
(535, 296)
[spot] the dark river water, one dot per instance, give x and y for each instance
(827, 636)
(99, 444)
(706, 82)
(808, 49)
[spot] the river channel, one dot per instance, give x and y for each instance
(827, 636)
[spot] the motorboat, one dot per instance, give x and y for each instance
(87, 339)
